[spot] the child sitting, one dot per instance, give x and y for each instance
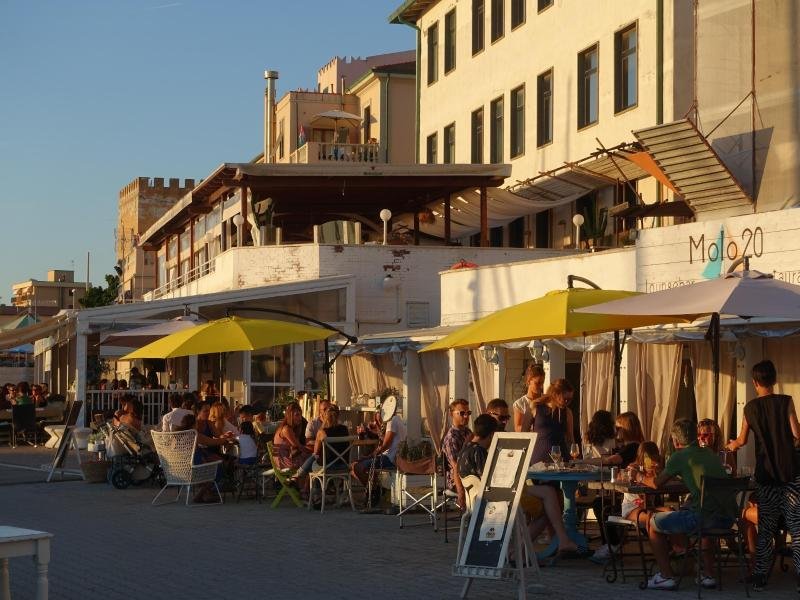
(648, 463)
(248, 451)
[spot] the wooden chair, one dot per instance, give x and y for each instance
(282, 477)
(176, 451)
(335, 469)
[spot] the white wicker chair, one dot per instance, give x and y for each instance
(175, 451)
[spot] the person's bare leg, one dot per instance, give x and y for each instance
(751, 533)
(553, 510)
(660, 545)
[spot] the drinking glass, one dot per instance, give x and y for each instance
(555, 454)
(575, 451)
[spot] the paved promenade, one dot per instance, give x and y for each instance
(112, 544)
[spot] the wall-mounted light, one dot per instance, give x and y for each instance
(578, 220)
(385, 216)
(398, 355)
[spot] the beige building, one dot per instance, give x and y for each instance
(379, 93)
(58, 291)
(549, 86)
(141, 203)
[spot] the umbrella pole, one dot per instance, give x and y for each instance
(328, 369)
(617, 361)
(713, 336)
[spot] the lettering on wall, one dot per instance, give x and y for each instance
(749, 243)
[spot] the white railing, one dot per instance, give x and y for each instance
(315, 152)
(199, 271)
(154, 403)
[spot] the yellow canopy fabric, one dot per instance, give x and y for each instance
(231, 334)
(548, 317)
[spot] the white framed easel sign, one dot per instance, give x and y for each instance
(496, 526)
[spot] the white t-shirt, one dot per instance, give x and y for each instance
(313, 427)
(523, 407)
(399, 428)
(173, 418)
(247, 446)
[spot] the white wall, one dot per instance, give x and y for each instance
(471, 294)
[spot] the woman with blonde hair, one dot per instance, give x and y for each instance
(525, 406)
(218, 419)
(552, 421)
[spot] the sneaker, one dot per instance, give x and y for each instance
(707, 582)
(603, 554)
(657, 582)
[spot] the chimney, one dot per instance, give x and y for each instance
(269, 116)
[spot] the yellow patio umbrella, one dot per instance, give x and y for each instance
(230, 334)
(551, 316)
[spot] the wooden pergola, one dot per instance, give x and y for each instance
(304, 195)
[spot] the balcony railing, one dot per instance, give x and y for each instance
(184, 278)
(316, 152)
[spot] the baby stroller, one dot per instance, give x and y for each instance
(132, 461)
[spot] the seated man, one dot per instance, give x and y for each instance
(383, 457)
(172, 420)
(540, 502)
(690, 462)
(314, 425)
(454, 440)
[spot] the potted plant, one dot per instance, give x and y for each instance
(594, 224)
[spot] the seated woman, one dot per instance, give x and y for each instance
(628, 437)
(220, 424)
(600, 436)
(330, 428)
(208, 444)
(289, 447)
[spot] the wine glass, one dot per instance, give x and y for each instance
(574, 451)
(555, 454)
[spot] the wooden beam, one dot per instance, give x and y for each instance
(447, 222)
(196, 210)
(484, 218)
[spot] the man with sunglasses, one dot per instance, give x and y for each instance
(498, 408)
(454, 441)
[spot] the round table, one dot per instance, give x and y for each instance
(569, 484)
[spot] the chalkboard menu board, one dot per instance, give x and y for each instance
(494, 520)
(70, 419)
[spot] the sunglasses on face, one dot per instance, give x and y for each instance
(501, 418)
(464, 413)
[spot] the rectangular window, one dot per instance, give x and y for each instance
(478, 25)
(450, 41)
(498, 19)
(450, 144)
(544, 108)
(518, 121)
(496, 131)
(280, 139)
(476, 134)
(588, 87)
(625, 68)
(517, 13)
(433, 53)
(542, 4)
(430, 147)
(367, 124)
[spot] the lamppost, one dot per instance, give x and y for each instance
(577, 220)
(385, 216)
(238, 220)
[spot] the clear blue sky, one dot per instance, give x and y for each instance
(94, 93)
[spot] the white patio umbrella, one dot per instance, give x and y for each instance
(743, 294)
